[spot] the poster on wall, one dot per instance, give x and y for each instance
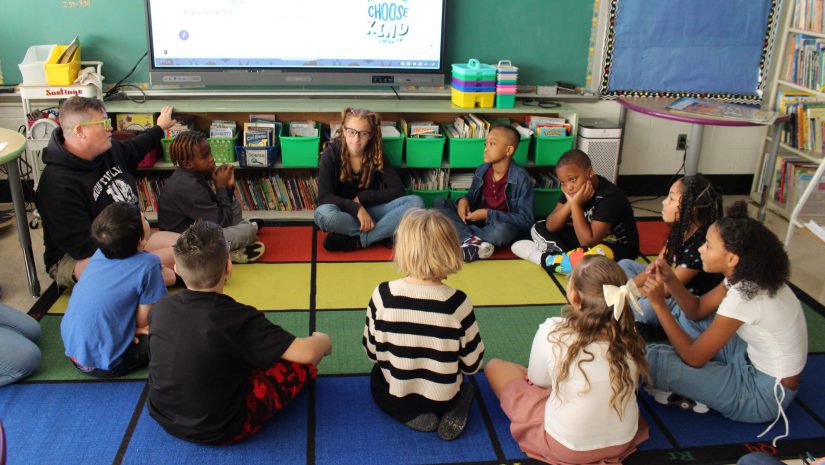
(699, 48)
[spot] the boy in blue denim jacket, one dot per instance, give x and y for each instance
(499, 205)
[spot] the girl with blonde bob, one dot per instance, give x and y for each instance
(576, 400)
(422, 334)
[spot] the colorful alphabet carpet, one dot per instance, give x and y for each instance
(58, 416)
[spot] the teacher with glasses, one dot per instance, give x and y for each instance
(85, 172)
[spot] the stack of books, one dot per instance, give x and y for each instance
(793, 175)
(134, 121)
(435, 179)
(547, 126)
(303, 129)
(420, 129)
(255, 192)
(222, 129)
(470, 126)
(545, 181)
(804, 129)
(184, 123)
(461, 181)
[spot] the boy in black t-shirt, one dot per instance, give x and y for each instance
(220, 369)
(592, 214)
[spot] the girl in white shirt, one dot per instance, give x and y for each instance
(575, 403)
(755, 303)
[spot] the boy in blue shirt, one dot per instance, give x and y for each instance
(499, 205)
(106, 326)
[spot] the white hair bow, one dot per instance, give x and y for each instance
(616, 296)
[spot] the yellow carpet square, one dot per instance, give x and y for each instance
(506, 283)
(60, 305)
(499, 282)
(283, 286)
(350, 285)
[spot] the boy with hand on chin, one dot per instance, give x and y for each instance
(593, 214)
(498, 208)
(219, 368)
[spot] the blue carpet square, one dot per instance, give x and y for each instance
(351, 429)
(509, 446)
(67, 423)
(710, 429)
(813, 385)
(283, 439)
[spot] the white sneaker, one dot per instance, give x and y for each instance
(670, 398)
(527, 250)
(485, 250)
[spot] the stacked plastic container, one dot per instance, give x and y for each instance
(506, 76)
(473, 83)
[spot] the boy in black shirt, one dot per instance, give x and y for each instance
(593, 212)
(220, 369)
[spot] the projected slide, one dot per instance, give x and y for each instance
(402, 34)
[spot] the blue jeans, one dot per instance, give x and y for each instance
(631, 269)
(19, 354)
(728, 383)
(499, 234)
(386, 217)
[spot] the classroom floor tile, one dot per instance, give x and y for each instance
(346, 328)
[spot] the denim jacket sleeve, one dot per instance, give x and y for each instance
(519, 201)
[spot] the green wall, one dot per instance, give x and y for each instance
(547, 39)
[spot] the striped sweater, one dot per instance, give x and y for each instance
(422, 338)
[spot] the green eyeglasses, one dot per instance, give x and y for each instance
(107, 123)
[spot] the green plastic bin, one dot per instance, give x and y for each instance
(429, 196)
(456, 194)
(520, 155)
(545, 200)
(548, 150)
(165, 143)
(464, 153)
(424, 152)
(223, 148)
(393, 149)
(300, 152)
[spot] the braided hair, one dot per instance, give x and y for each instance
(184, 147)
(701, 203)
(763, 263)
(373, 152)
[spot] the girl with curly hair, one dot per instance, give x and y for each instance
(691, 206)
(754, 303)
(575, 402)
(360, 196)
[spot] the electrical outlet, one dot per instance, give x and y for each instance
(681, 142)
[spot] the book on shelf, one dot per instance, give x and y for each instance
(184, 123)
(134, 121)
(544, 180)
(303, 129)
(540, 125)
(69, 51)
(433, 179)
(223, 129)
(461, 181)
(719, 110)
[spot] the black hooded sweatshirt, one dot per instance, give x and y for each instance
(73, 191)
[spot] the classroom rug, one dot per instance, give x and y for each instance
(59, 416)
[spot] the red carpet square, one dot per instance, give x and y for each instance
(286, 244)
(652, 236)
(374, 253)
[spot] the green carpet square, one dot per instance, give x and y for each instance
(346, 328)
(508, 332)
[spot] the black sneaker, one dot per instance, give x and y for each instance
(470, 252)
(335, 242)
(544, 246)
(453, 422)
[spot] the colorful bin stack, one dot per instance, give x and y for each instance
(474, 83)
(506, 76)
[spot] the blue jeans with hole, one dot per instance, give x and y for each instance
(385, 217)
(19, 354)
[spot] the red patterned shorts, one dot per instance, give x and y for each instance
(269, 391)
